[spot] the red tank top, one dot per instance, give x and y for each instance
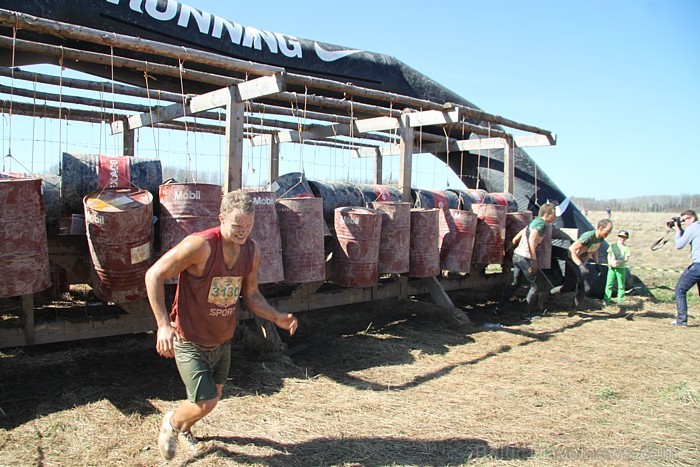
(204, 310)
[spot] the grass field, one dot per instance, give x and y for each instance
(393, 385)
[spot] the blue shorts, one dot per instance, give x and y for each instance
(201, 370)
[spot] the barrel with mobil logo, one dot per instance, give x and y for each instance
(119, 225)
(186, 208)
(266, 232)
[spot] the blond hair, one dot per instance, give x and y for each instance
(237, 200)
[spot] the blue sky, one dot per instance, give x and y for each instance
(618, 81)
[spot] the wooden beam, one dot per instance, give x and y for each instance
(28, 317)
(508, 168)
(433, 117)
(247, 90)
(234, 142)
(274, 159)
(81, 33)
(406, 156)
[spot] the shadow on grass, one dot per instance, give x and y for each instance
(370, 451)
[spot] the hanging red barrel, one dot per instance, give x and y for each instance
(515, 222)
(544, 249)
(490, 233)
(186, 208)
(457, 233)
(505, 199)
(424, 250)
(266, 232)
(395, 237)
(378, 193)
(84, 173)
(435, 199)
(24, 252)
(301, 232)
(356, 252)
(119, 224)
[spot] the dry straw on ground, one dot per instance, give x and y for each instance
(387, 384)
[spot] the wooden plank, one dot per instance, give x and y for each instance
(62, 331)
(377, 124)
(385, 150)
(433, 117)
(265, 86)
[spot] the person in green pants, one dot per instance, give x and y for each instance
(618, 254)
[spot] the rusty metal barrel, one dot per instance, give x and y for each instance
(266, 232)
(490, 233)
(424, 250)
(337, 195)
(301, 232)
(457, 233)
(186, 208)
(24, 251)
(356, 252)
(395, 237)
(379, 193)
(505, 199)
(84, 173)
(435, 199)
(119, 224)
(475, 196)
(515, 222)
(544, 249)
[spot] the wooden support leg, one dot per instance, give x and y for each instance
(440, 297)
(28, 317)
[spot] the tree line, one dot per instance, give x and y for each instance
(656, 203)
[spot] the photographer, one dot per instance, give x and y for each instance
(687, 231)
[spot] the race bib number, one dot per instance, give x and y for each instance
(224, 291)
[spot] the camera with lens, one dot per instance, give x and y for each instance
(673, 221)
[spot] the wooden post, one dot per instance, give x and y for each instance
(406, 133)
(508, 166)
(274, 158)
(129, 142)
(28, 312)
(234, 142)
(378, 167)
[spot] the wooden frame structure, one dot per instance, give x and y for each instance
(369, 122)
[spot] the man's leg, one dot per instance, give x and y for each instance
(204, 374)
(688, 279)
(510, 290)
(531, 294)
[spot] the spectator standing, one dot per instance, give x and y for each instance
(618, 255)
